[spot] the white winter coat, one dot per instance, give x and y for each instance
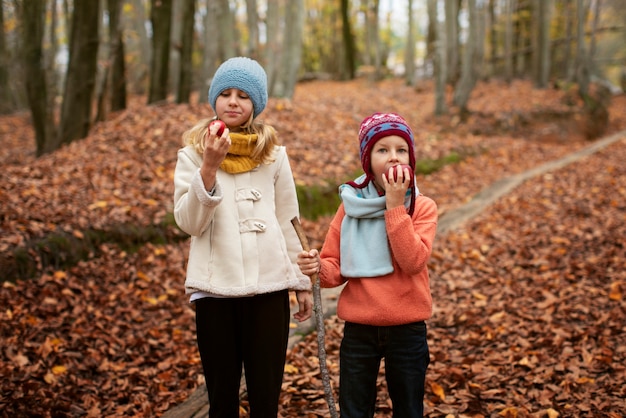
(242, 239)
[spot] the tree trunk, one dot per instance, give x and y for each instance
(375, 38)
(53, 76)
(469, 70)
(438, 57)
(176, 44)
(409, 56)
(508, 40)
(210, 58)
(431, 33)
(569, 64)
(227, 39)
(81, 72)
(186, 64)
(112, 95)
(493, 37)
(349, 67)
(118, 65)
(285, 85)
(594, 29)
(160, 16)
(5, 93)
(133, 22)
(541, 42)
(32, 34)
(452, 40)
(275, 40)
(253, 29)
(582, 68)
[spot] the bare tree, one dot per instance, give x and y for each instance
(582, 68)
(113, 89)
(349, 67)
(186, 66)
(509, 6)
(5, 92)
(438, 56)
(409, 56)
(452, 40)
(469, 68)
(253, 29)
(542, 10)
(176, 43)
(161, 17)
(32, 34)
(273, 49)
(133, 22)
(294, 19)
(80, 80)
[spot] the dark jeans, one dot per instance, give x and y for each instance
(252, 331)
(406, 354)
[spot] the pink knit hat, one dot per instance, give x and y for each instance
(375, 127)
(380, 125)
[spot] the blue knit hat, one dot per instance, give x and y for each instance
(244, 74)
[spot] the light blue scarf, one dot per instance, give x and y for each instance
(364, 247)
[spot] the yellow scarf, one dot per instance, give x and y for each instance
(238, 159)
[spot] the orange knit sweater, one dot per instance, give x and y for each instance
(400, 297)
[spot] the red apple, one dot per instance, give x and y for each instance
(403, 166)
(221, 128)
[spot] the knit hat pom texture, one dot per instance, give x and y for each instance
(244, 74)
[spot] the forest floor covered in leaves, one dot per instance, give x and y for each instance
(529, 313)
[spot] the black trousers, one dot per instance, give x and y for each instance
(249, 331)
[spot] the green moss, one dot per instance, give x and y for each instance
(60, 250)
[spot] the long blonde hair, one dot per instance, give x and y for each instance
(267, 138)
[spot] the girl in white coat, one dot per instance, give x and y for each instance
(235, 195)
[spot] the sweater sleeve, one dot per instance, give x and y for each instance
(194, 206)
(330, 269)
(411, 238)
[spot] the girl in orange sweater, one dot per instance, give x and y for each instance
(379, 244)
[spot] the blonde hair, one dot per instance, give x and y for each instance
(267, 138)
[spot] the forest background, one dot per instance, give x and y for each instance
(96, 94)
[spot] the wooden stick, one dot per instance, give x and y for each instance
(319, 323)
